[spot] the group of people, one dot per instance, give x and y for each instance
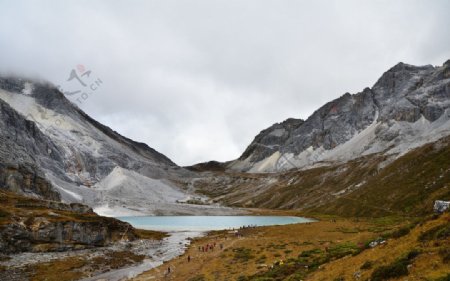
(248, 226)
(209, 247)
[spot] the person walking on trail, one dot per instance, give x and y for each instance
(189, 258)
(168, 270)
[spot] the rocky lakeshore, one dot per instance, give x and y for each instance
(118, 261)
(48, 240)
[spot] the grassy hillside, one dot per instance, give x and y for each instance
(330, 250)
(369, 186)
(409, 185)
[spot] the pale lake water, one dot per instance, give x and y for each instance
(207, 223)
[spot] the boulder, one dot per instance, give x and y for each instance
(441, 206)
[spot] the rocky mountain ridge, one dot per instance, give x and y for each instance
(52, 149)
(406, 108)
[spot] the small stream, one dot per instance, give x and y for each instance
(169, 248)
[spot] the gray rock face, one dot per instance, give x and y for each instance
(26, 180)
(31, 224)
(334, 123)
(380, 116)
(41, 235)
(23, 148)
(46, 140)
(269, 140)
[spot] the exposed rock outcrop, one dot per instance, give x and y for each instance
(27, 181)
(28, 224)
(406, 108)
(23, 148)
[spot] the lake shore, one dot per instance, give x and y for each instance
(239, 253)
(340, 244)
(118, 261)
(178, 240)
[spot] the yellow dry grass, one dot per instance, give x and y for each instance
(427, 266)
(274, 243)
(260, 248)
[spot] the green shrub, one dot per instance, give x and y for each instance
(4, 214)
(396, 269)
(342, 250)
(309, 253)
(438, 232)
(261, 259)
(445, 254)
(401, 232)
(242, 254)
(367, 265)
(412, 254)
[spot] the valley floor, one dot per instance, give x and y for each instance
(330, 249)
(333, 248)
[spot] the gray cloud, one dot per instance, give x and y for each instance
(197, 80)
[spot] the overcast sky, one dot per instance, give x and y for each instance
(197, 80)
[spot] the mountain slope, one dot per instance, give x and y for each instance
(406, 108)
(21, 143)
(369, 186)
(383, 151)
(53, 150)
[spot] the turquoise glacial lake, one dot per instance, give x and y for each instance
(207, 223)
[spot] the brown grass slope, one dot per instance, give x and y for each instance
(409, 185)
(327, 250)
(368, 186)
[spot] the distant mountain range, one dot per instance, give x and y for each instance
(405, 109)
(53, 150)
